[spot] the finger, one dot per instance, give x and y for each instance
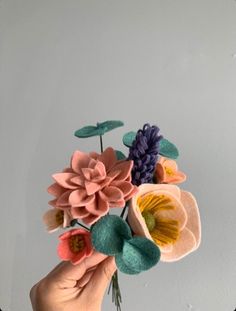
(101, 278)
(66, 274)
(85, 279)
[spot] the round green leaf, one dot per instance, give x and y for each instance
(109, 125)
(100, 129)
(138, 254)
(109, 233)
(128, 138)
(168, 149)
(120, 155)
(86, 131)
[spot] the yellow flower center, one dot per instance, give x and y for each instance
(76, 243)
(169, 171)
(60, 217)
(163, 230)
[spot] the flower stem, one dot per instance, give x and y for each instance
(116, 294)
(101, 144)
(83, 226)
(123, 211)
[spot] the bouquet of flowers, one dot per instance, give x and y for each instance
(158, 220)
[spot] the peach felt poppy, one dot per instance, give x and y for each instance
(93, 183)
(75, 245)
(167, 172)
(168, 216)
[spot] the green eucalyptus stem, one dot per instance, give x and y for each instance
(116, 293)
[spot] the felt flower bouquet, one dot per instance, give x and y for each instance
(158, 220)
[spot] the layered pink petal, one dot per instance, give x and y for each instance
(79, 212)
(80, 198)
(91, 219)
(111, 194)
(55, 190)
(79, 160)
(92, 187)
(78, 180)
(64, 180)
(124, 186)
(53, 203)
(181, 248)
(194, 221)
(63, 200)
(108, 157)
(98, 207)
(124, 167)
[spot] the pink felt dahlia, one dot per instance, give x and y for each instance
(75, 245)
(93, 183)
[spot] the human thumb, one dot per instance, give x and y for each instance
(102, 277)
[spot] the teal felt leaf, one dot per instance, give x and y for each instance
(128, 138)
(138, 254)
(120, 155)
(100, 129)
(168, 149)
(110, 125)
(109, 233)
(86, 131)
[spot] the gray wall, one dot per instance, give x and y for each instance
(68, 63)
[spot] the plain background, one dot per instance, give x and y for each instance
(66, 64)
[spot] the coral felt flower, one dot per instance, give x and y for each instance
(75, 245)
(56, 218)
(93, 183)
(167, 172)
(169, 217)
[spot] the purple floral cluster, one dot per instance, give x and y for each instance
(144, 153)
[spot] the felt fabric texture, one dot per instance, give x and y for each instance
(56, 218)
(168, 149)
(129, 138)
(144, 152)
(139, 254)
(111, 235)
(92, 184)
(167, 172)
(100, 129)
(108, 234)
(185, 212)
(75, 245)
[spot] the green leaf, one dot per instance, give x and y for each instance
(120, 155)
(138, 254)
(128, 138)
(109, 233)
(86, 131)
(167, 149)
(110, 125)
(100, 129)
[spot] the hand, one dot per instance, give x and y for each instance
(74, 287)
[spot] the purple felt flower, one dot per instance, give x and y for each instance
(144, 153)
